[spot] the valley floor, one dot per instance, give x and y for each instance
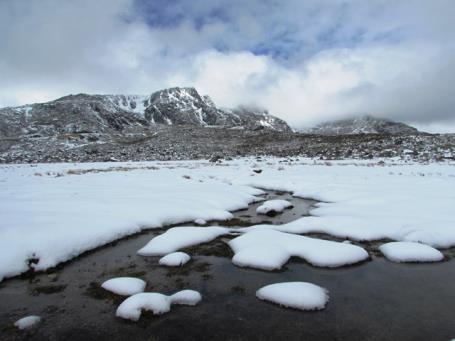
(52, 215)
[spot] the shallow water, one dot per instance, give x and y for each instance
(376, 300)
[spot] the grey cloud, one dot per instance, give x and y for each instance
(320, 59)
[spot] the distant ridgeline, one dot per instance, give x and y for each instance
(363, 125)
(84, 113)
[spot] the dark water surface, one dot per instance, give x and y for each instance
(375, 300)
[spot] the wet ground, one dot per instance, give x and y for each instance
(375, 300)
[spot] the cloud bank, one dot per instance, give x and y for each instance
(305, 61)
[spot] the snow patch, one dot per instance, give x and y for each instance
(251, 249)
(125, 286)
(27, 322)
(410, 252)
(297, 295)
(264, 257)
(132, 307)
(273, 206)
(175, 259)
(186, 297)
(181, 237)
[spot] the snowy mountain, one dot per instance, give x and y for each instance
(363, 125)
(85, 113)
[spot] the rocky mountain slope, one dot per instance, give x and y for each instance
(108, 114)
(363, 125)
(178, 123)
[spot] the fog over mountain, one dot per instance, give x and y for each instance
(306, 62)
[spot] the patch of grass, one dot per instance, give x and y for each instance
(94, 290)
(48, 289)
(207, 277)
(217, 248)
(236, 222)
(238, 289)
(188, 268)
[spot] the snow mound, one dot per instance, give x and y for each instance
(125, 286)
(298, 295)
(27, 322)
(410, 252)
(268, 249)
(132, 307)
(200, 221)
(264, 257)
(181, 237)
(186, 297)
(273, 206)
(175, 259)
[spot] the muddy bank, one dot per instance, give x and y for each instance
(377, 300)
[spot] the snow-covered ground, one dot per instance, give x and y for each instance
(51, 213)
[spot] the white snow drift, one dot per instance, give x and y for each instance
(410, 252)
(125, 286)
(268, 249)
(27, 322)
(55, 218)
(175, 259)
(298, 295)
(132, 307)
(273, 206)
(181, 237)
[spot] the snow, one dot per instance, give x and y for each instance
(276, 205)
(186, 297)
(125, 286)
(268, 249)
(410, 252)
(181, 237)
(53, 216)
(200, 221)
(27, 322)
(297, 295)
(265, 257)
(175, 259)
(132, 307)
(55, 212)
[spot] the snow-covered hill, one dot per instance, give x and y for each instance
(363, 125)
(113, 113)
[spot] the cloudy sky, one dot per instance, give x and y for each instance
(306, 61)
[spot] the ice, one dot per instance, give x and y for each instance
(200, 221)
(273, 206)
(132, 307)
(410, 252)
(125, 286)
(181, 237)
(27, 322)
(298, 295)
(175, 259)
(251, 249)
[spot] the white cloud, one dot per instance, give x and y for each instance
(336, 59)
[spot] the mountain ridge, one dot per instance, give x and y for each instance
(366, 124)
(112, 113)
